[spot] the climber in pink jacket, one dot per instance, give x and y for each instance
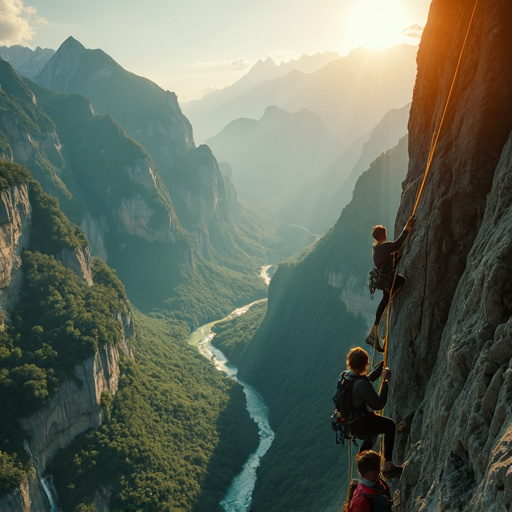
(371, 493)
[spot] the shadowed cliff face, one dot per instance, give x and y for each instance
(451, 326)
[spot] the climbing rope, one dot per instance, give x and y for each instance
(433, 146)
(436, 134)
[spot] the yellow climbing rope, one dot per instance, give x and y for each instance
(436, 134)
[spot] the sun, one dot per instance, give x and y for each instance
(376, 24)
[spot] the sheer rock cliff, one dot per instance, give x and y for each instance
(15, 215)
(77, 405)
(451, 327)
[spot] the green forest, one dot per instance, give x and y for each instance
(177, 432)
(58, 322)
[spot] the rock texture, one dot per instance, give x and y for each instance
(15, 217)
(451, 328)
(28, 498)
(75, 408)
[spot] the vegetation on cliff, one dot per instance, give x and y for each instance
(177, 434)
(59, 321)
(233, 336)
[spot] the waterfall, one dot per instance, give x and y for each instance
(45, 483)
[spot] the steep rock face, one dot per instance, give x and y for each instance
(451, 330)
(28, 498)
(76, 407)
(78, 260)
(15, 216)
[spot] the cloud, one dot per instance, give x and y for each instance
(413, 31)
(240, 64)
(17, 22)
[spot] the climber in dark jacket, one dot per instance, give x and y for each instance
(369, 424)
(384, 260)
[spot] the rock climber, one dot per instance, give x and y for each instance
(369, 424)
(384, 259)
(371, 493)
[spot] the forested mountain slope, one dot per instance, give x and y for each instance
(109, 185)
(117, 415)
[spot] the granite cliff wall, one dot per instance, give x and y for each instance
(77, 405)
(451, 327)
(15, 216)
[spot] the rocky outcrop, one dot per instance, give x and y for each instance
(29, 497)
(95, 229)
(15, 219)
(76, 407)
(451, 334)
(79, 260)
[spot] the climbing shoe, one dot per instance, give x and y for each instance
(393, 472)
(375, 342)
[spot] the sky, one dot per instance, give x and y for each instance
(194, 46)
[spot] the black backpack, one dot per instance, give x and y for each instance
(344, 412)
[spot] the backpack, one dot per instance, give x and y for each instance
(350, 493)
(380, 500)
(344, 412)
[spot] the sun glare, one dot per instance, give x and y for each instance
(376, 24)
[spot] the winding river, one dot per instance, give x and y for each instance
(239, 495)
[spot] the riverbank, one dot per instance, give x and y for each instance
(239, 495)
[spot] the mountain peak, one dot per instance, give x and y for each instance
(72, 44)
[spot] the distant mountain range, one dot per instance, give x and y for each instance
(25, 61)
(268, 69)
(291, 161)
(351, 94)
(278, 152)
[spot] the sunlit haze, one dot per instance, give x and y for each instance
(196, 46)
(376, 24)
